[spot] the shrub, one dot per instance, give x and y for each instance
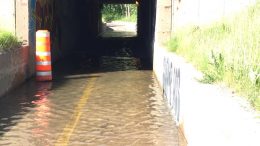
(8, 41)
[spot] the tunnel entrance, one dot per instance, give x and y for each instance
(119, 20)
(77, 28)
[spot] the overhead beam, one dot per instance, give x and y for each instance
(118, 1)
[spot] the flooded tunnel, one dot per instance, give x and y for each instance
(76, 26)
(93, 99)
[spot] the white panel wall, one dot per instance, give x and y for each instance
(7, 15)
(200, 12)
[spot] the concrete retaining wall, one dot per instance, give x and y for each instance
(172, 78)
(168, 73)
(18, 64)
(176, 77)
(14, 68)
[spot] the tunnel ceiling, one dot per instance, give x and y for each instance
(118, 1)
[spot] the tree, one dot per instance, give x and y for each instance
(113, 12)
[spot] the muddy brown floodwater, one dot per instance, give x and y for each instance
(106, 108)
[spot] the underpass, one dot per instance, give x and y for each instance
(103, 91)
(88, 107)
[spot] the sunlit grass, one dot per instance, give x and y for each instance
(227, 51)
(8, 41)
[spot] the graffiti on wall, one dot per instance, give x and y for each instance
(171, 86)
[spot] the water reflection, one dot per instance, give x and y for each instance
(42, 110)
(24, 114)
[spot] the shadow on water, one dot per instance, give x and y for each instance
(15, 105)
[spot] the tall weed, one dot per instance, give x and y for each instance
(227, 51)
(8, 41)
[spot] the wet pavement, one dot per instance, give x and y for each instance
(83, 108)
(120, 29)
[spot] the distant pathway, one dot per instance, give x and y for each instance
(120, 29)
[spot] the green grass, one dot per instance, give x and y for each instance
(226, 51)
(8, 41)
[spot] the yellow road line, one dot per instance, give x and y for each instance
(64, 138)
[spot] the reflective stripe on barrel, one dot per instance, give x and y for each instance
(46, 73)
(43, 56)
(43, 66)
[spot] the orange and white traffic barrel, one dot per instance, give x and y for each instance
(43, 56)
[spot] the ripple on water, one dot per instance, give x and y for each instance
(124, 108)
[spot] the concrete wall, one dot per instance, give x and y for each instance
(14, 68)
(168, 73)
(7, 15)
(22, 20)
(201, 12)
(174, 14)
(16, 65)
(174, 79)
(163, 20)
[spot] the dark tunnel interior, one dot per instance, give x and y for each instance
(75, 27)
